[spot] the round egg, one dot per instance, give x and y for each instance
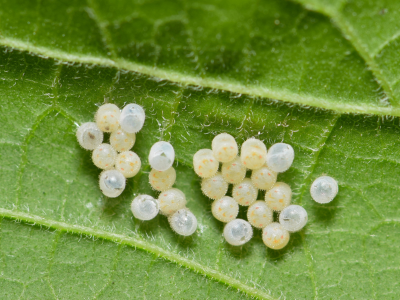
(162, 180)
(238, 232)
(145, 207)
(162, 156)
(225, 209)
(224, 147)
(293, 218)
(89, 136)
(183, 222)
(279, 196)
(280, 157)
(214, 187)
(132, 118)
(171, 200)
(275, 236)
(128, 163)
(259, 214)
(263, 178)
(104, 156)
(324, 189)
(233, 171)
(112, 183)
(245, 193)
(107, 117)
(205, 164)
(253, 154)
(122, 141)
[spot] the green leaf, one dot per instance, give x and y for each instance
(373, 29)
(272, 49)
(199, 68)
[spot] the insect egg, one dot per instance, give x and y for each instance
(280, 157)
(214, 187)
(89, 136)
(259, 214)
(224, 147)
(293, 218)
(104, 156)
(128, 163)
(225, 209)
(324, 189)
(205, 164)
(233, 171)
(275, 236)
(161, 156)
(112, 183)
(245, 193)
(238, 232)
(171, 200)
(162, 180)
(122, 141)
(279, 196)
(263, 178)
(145, 207)
(132, 118)
(107, 117)
(183, 222)
(253, 153)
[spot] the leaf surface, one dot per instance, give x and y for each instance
(216, 66)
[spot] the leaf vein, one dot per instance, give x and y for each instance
(24, 148)
(141, 244)
(303, 188)
(281, 95)
(351, 35)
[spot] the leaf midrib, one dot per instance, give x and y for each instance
(235, 87)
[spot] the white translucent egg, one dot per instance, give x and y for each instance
(224, 147)
(112, 183)
(279, 196)
(225, 209)
(107, 117)
(275, 236)
(128, 163)
(263, 178)
(161, 156)
(324, 189)
(238, 232)
(132, 118)
(122, 141)
(245, 193)
(293, 218)
(253, 153)
(259, 214)
(145, 207)
(162, 180)
(183, 222)
(214, 187)
(171, 200)
(233, 171)
(205, 164)
(280, 157)
(104, 156)
(89, 136)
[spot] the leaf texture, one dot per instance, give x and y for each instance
(198, 68)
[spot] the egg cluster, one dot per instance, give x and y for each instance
(171, 202)
(264, 166)
(115, 158)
